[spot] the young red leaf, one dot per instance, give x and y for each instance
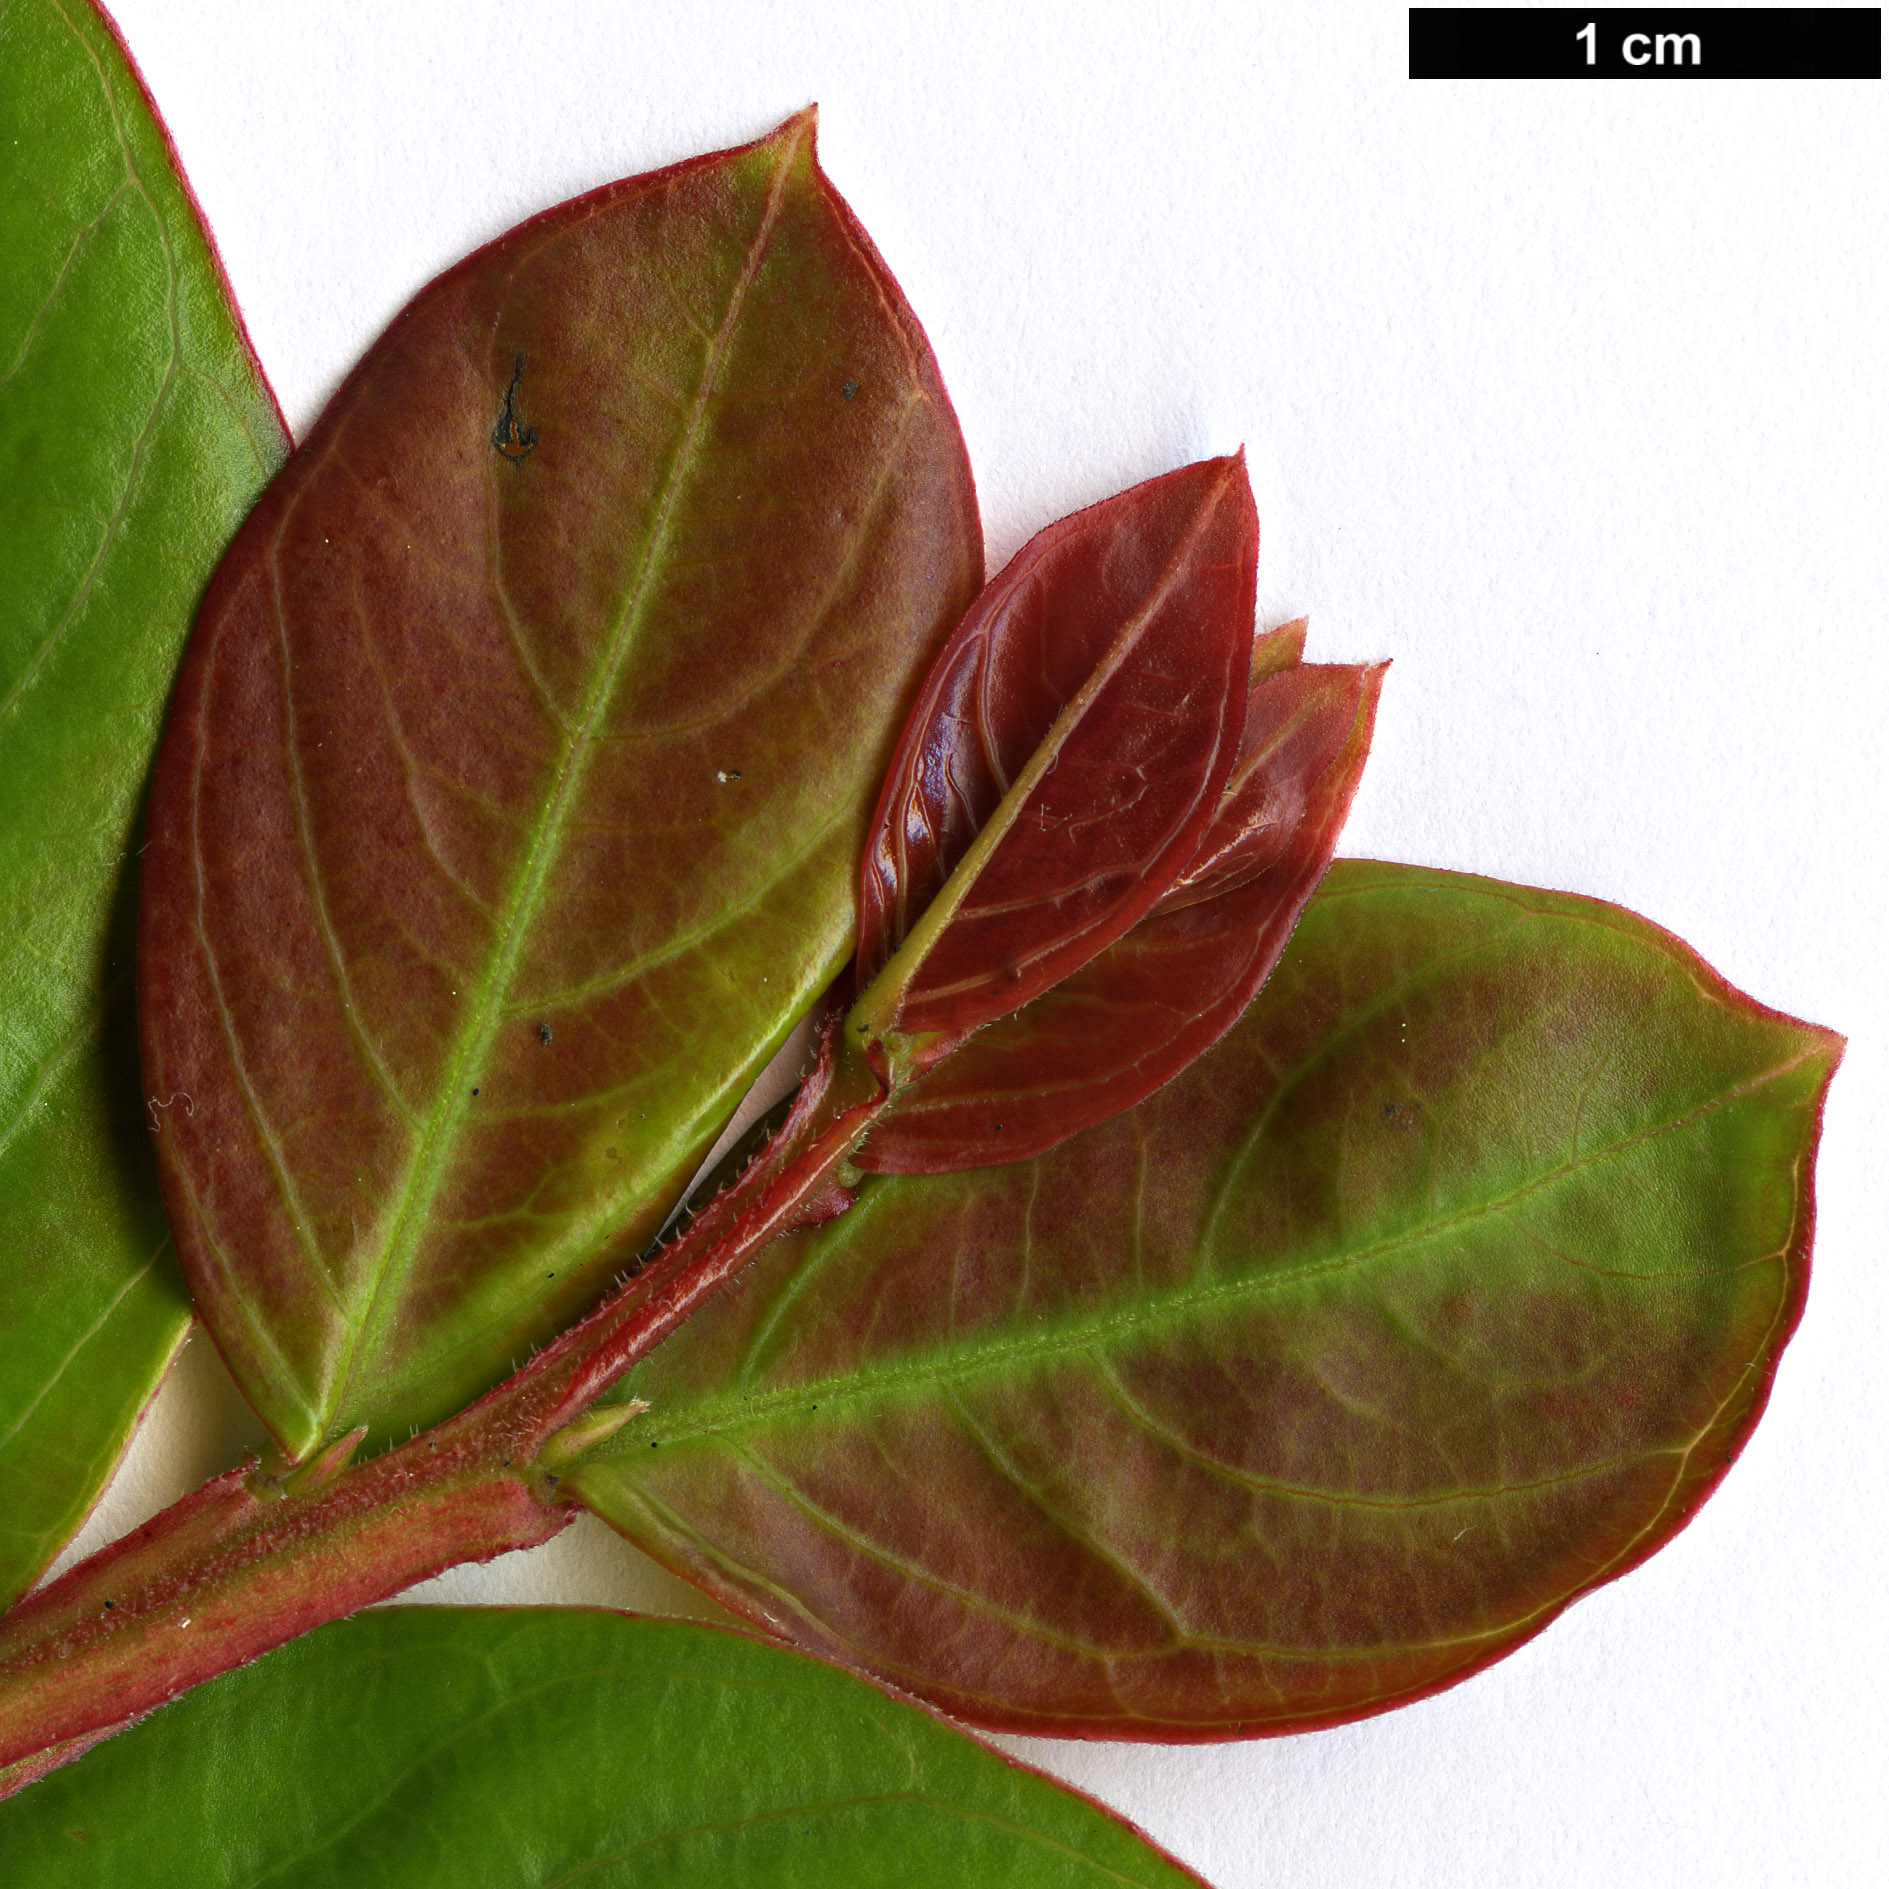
(1134, 1017)
(511, 798)
(1064, 758)
(1443, 1288)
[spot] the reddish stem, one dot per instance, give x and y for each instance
(795, 1181)
(251, 1560)
(227, 1574)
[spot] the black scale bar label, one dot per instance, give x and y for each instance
(1646, 43)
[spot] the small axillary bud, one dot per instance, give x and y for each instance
(594, 1427)
(269, 1483)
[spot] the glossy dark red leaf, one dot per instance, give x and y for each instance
(511, 801)
(1064, 758)
(1131, 1019)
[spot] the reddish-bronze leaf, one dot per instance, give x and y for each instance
(1444, 1287)
(1064, 758)
(1134, 1017)
(510, 804)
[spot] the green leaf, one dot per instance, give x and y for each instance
(508, 815)
(460, 1747)
(1446, 1286)
(135, 430)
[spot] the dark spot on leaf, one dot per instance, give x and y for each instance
(510, 436)
(848, 388)
(544, 1034)
(475, 1092)
(111, 1606)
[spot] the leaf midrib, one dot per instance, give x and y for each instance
(427, 1169)
(954, 1364)
(885, 997)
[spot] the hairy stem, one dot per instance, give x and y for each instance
(254, 1558)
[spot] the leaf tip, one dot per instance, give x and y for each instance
(1283, 648)
(802, 128)
(1829, 1047)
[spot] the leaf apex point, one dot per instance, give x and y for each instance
(801, 126)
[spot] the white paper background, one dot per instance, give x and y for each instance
(1572, 399)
